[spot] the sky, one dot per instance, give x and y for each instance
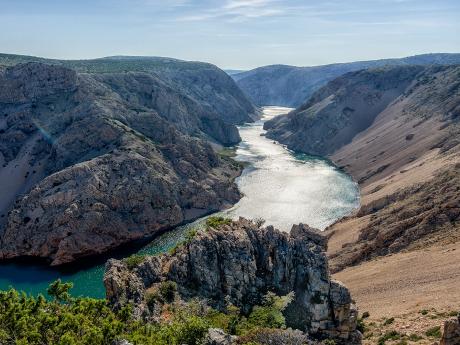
(237, 34)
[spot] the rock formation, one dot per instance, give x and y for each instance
(292, 86)
(451, 332)
(90, 161)
(240, 263)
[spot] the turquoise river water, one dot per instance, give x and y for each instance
(279, 186)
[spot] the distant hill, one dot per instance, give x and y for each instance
(291, 86)
(232, 72)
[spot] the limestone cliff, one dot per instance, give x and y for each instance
(90, 161)
(240, 263)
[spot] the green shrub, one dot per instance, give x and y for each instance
(216, 221)
(167, 291)
(365, 315)
(190, 235)
(329, 342)
(391, 335)
(133, 261)
(389, 321)
(84, 321)
(59, 291)
(434, 332)
(270, 313)
(415, 337)
(360, 326)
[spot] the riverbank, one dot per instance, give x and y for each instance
(277, 185)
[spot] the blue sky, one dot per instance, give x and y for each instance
(231, 33)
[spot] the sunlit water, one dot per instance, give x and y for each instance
(278, 185)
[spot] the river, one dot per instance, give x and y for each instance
(278, 185)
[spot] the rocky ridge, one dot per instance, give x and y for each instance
(90, 161)
(239, 263)
(291, 86)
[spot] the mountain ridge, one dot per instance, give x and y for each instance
(292, 85)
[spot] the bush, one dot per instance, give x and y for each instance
(391, 335)
(365, 315)
(59, 291)
(389, 321)
(133, 261)
(270, 313)
(361, 326)
(434, 332)
(415, 337)
(85, 321)
(167, 291)
(216, 221)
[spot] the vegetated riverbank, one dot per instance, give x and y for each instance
(282, 187)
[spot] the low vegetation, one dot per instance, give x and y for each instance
(422, 327)
(216, 221)
(65, 320)
(133, 261)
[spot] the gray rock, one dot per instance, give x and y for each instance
(451, 332)
(240, 263)
(102, 159)
(217, 336)
(121, 342)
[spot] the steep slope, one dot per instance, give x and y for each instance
(238, 263)
(378, 124)
(202, 82)
(396, 131)
(291, 86)
(90, 161)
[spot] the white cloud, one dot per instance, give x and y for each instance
(238, 10)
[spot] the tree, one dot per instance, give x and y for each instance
(60, 291)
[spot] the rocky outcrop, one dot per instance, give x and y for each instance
(216, 336)
(451, 332)
(90, 161)
(240, 263)
(292, 86)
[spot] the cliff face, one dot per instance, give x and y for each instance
(335, 114)
(291, 86)
(90, 161)
(240, 263)
(395, 130)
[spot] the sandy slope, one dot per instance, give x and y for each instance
(407, 282)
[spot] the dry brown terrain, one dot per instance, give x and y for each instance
(400, 253)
